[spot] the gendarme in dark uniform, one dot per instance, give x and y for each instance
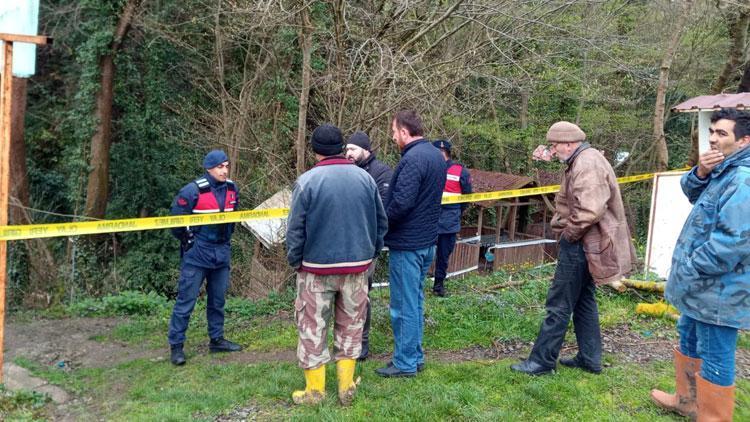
(205, 253)
(457, 182)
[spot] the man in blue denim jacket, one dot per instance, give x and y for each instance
(708, 281)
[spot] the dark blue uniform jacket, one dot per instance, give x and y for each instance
(211, 248)
(450, 215)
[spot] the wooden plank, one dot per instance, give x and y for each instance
(479, 221)
(498, 223)
(31, 39)
(512, 223)
(5, 119)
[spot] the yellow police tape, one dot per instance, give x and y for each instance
(517, 193)
(36, 231)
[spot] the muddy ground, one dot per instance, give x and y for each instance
(71, 344)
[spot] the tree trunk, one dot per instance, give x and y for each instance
(19, 182)
(524, 114)
(42, 265)
(305, 40)
(662, 154)
(745, 81)
(97, 190)
(738, 25)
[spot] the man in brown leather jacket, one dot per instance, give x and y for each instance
(595, 249)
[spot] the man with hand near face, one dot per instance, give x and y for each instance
(709, 281)
(595, 249)
(359, 151)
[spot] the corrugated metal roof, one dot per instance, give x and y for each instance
(711, 102)
(490, 181)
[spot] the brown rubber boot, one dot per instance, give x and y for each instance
(683, 400)
(715, 403)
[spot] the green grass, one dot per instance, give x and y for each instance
(202, 389)
(474, 315)
(22, 405)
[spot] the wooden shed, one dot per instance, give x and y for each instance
(508, 232)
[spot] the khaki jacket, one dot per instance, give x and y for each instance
(589, 208)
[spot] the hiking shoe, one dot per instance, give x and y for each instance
(529, 367)
(574, 362)
(223, 345)
(390, 371)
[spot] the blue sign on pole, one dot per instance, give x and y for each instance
(20, 17)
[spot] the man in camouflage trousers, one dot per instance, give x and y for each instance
(322, 297)
(335, 229)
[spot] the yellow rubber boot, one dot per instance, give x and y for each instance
(315, 389)
(347, 385)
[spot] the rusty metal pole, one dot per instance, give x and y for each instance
(5, 103)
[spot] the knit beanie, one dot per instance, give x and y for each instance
(327, 140)
(214, 158)
(443, 144)
(565, 132)
(361, 140)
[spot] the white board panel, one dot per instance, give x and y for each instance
(272, 231)
(704, 124)
(669, 210)
(20, 17)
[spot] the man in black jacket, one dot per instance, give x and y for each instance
(359, 150)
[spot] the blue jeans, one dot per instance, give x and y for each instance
(407, 270)
(188, 288)
(715, 344)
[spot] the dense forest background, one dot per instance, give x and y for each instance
(133, 93)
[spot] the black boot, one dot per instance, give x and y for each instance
(223, 345)
(366, 336)
(177, 355)
(438, 289)
(529, 367)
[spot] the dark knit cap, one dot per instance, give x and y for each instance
(327, 140)
(361, 140)
(442, 144)
(214, 158)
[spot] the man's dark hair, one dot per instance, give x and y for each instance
(409, 120)
(741, 121)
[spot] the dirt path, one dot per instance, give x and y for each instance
(70, 343)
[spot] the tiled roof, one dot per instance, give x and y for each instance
(710, 102)
(490, 181)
